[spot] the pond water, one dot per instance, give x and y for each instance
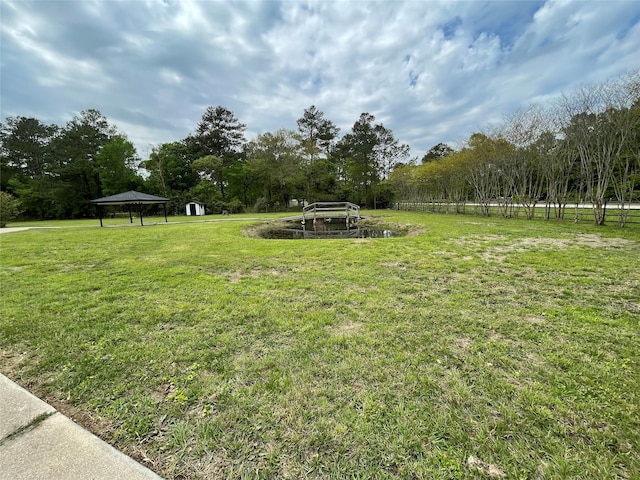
(326, 230)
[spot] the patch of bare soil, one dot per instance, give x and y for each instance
(11, 360)
(91, 421)
(486, 468)
(535, 319)
(238, 275)
(477, 240)
(594, 240)
(497, 252)
(346, 328)
(462, 344)
(396, 265)
(415, 230)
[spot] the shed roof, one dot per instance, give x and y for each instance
(130, 197)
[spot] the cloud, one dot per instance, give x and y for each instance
(432, 72)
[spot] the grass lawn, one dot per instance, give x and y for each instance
(474, 348)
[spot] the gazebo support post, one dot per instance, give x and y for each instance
(100, 214)
(140, 209)
(130, 216)
(164, 207)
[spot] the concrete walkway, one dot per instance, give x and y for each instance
(39, 443)
(13, 229)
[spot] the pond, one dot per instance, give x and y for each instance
(326, 229)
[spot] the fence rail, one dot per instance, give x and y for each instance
(576, 212)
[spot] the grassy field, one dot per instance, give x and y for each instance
(123, 220)
(472, 348)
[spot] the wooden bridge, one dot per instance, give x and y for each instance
(330, 219)
(331, 210)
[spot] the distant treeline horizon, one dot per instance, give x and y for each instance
(583, 147)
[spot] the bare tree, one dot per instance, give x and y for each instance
(561, 165)
(523, 170)
(600, 127)
(628, 166)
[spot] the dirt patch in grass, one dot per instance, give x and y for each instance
(92, 422)
(593, 240)
(535, 319)
(396, 265)
(237, 275)
(477, 240)
(488, 469)
(346, 328)
(11, 360)
(525, 244)
(484, 224)
(633, 308)
(522, 245)
(212, 465)
(462, 344)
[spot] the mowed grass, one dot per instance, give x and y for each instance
(474, 348)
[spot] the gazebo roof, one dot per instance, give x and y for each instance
(131, 197)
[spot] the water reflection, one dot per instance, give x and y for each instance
(327, 230)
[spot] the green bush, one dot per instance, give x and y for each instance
(235, 206)
(9, 208)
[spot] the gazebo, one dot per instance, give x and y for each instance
(131, 198)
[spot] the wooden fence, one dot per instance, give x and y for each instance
(578, 213)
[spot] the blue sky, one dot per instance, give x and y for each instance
(431, 71)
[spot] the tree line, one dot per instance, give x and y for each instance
(55, 171)
(584, 147)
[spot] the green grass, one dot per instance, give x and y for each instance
(123, 220)
(480, 347)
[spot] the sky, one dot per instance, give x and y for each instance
(430, 71)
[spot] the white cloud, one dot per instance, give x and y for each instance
(432, 72)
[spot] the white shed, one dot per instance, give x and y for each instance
(195, 208)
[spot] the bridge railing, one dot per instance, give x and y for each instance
(346, 209)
